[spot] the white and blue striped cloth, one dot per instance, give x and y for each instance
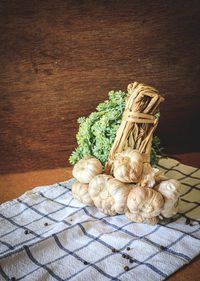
(47, 235)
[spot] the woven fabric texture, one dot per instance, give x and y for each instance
(47, 235)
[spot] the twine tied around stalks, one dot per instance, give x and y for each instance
(137, 117)
(138, 122)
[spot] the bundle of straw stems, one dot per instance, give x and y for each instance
(138, 123)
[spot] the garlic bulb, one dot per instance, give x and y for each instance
(170, 190)
(145, 201)
(150, 176)
(128, 166)
(86, 169)
(140, 219)
(80, 192)
(109, 194)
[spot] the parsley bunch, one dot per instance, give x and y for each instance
(98, 131)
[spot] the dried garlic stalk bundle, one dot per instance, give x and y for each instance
(137, 125)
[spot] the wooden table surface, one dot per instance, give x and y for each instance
(14, 185)
(59, 59)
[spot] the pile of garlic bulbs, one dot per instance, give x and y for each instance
(135, 189)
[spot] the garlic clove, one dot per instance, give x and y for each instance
(119, 192)
(150, 176)
(109, 194)
(80, 193)
(171, 191)
(128, 166)
(86, 169)
(140, 219)
(145, 201)
(97, 191)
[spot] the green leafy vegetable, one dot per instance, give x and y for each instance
(97, 132)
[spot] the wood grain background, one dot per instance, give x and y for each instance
(60, 58)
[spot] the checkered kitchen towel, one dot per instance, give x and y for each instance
(47, 235)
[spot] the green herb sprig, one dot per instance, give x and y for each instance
(98, 131)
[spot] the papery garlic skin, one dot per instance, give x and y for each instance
(100, 196)
(140, 219)
(128, 166)
(119, 192)
(86, 169)
(109, 194)
(80, 193)
(171, 191)
(145, 201)
(150, 176)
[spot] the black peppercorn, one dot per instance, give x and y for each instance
(126, 268)
(46, 224)
(85, 262)
(131, 260)
(13, 279)
(187, 221)
(163, 247)
(123, 255)
(128, 249)
(113, 250)
(26, 232)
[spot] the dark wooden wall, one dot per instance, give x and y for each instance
(59, 59)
